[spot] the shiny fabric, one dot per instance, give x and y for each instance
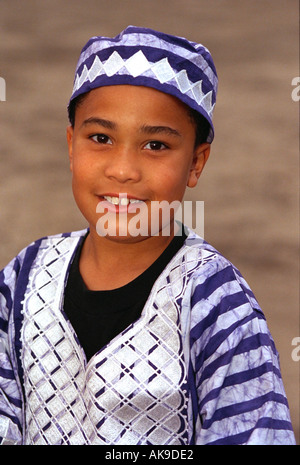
(198, 367)
(131, 392)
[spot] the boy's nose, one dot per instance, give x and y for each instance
(123, 166)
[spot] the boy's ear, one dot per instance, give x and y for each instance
(70, 144)
(200, 158)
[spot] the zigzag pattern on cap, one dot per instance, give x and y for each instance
(195, 53)
(138, 65)
(144, 57)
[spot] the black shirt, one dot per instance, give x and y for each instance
(99, 316)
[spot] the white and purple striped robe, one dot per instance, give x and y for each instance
(198, 367)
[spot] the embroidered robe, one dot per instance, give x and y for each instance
(198, 367)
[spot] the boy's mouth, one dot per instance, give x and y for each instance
(120, 203)
(122, 200)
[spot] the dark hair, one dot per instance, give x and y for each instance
(202, 127)
(73, 106)
(201, 124)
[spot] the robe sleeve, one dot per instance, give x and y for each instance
(238, 396)
(10, 392)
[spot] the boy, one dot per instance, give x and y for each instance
(115, 335)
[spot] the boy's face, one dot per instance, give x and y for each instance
(131, 141)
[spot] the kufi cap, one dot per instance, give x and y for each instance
(144, 57)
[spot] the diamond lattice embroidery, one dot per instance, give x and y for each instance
(132, 392)
(145, 396)
(52, 367)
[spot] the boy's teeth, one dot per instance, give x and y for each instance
(120, 201)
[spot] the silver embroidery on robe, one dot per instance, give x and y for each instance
(131, 392)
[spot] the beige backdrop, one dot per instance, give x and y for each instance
(250, 185)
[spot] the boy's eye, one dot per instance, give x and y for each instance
(155, 145)
(101, 139)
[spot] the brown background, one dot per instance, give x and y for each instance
(250, 185)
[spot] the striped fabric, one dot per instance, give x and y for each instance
(144, 57)
(198, 367)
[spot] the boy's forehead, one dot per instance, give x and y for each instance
(114, 96)
(145, 103)
(143, 57)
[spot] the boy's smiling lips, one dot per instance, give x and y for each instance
(119, 203)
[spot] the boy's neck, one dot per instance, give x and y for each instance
(107, 264)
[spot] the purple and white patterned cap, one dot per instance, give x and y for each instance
(144, 57)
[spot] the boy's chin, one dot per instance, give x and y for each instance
(129, 234)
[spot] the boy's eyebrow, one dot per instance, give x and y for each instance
(152, 130)
(100, 121)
